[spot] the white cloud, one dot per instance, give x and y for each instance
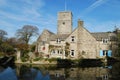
(93, 6)
(94, 26)
(5, 24)
(21, 12)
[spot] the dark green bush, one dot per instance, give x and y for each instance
(24, 59)
(52, 59)
(37, 59)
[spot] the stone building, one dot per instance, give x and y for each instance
(77, 43)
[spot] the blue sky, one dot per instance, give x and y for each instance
(98, 15)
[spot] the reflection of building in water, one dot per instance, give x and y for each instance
(115, 71)
(26, 72)
(91, 73)
(57, 74)
(80, 74)
(52, 73)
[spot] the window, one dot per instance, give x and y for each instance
(53, 51)
(72, 53)
(105, 41)
(59, 51)
(72, 38)
(105, 52)
(105, 77)
(58, 40)
(57, 75)
(63, 23)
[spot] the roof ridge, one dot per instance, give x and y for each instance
(48, 31)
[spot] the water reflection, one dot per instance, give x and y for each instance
(7, 74)
(51, 72)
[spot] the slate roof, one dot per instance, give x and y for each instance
(104, 35)
(97, 35)
(59, 36)
(53, 36)
(45, 31)
(49, 32)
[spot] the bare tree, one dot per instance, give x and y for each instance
(2, 34)
(27, 32)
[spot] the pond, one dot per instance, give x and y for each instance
(53, 72)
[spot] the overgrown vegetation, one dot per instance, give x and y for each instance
(9, 46)
(6, 48)
(37, 59)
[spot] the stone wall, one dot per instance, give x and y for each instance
(64, 23)
(73, 44)
(87, 44)
(42, 40)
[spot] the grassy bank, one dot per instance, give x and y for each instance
(69, 62)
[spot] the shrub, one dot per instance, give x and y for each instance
(37, 59)
(52, 59)
(64, 62)
(24, 59)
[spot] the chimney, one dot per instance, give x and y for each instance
(80, 23)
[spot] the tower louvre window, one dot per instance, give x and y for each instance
(63, 23)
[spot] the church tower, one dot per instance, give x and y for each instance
(64, 22)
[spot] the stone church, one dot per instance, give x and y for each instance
(77, 43)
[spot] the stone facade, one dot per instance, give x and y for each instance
(64, 23)
(77, 43)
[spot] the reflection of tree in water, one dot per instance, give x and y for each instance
(73, 73)
(26, 73)
(116, 71)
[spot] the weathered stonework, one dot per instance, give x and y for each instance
(77, 43)
(64, 23)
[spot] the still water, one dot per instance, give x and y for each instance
(52, 72)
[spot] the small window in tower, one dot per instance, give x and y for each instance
(63, 23)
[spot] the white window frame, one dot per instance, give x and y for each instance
(72, 53)
(59, 51)
(58, 40)
(53, 51)
(105, 41)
